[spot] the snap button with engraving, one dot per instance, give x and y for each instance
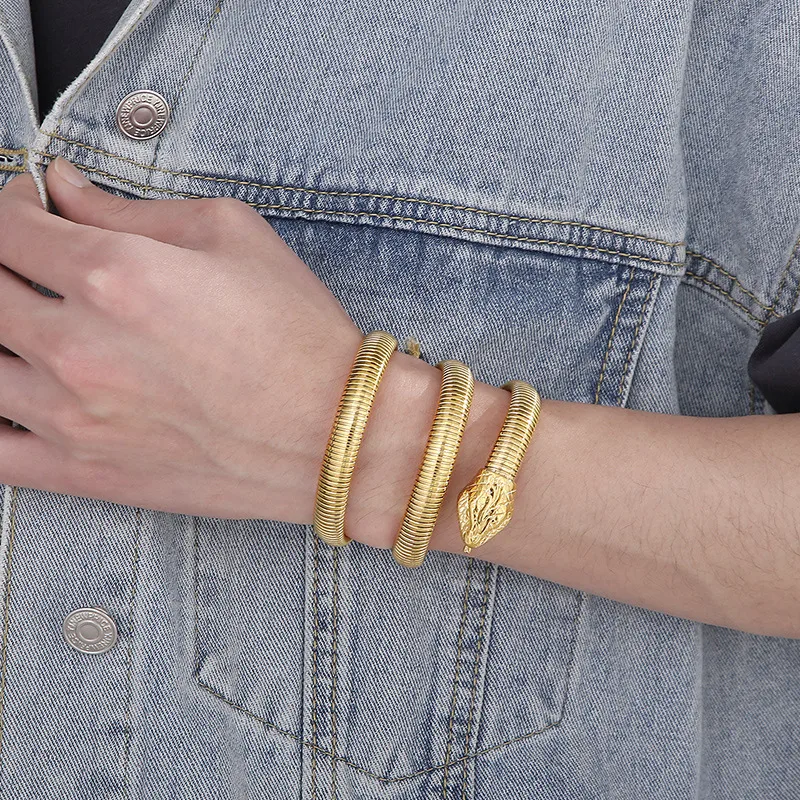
(142, 114)
(90, 630)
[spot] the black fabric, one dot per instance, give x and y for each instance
(66, 36)
(774, 366)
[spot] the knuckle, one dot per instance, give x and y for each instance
(104, 287)
(73, 366)
(220, 209)
(209, 220)
(106, 277)
(71, 425)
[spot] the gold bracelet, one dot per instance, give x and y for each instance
(444, 439)
(348, 430)
(485, 506)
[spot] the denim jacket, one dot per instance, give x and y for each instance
(602, 198)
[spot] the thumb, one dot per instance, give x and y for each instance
(76, 198)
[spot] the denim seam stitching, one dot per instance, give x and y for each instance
(635, 339)
(398, 218)
(610, 343)
(334, 664)
(737, 282)
(187, 74)
(785, 276)
(576, 623)
(373, 195)
(129, 654)
(454, 697)
(314, 657)
(743, 308)
(344, 760)
(6, 606)
(467, 229)
(14, 167)
(475, 670)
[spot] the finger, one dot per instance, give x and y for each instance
(22, 396)
(27, 318)
(184, 223)
(45, 248)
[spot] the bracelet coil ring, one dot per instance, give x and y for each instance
(485, 506)
(348, 429)
(444, 440)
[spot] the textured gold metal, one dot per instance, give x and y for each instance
(349, 424)
(485, 506)
(438, 460)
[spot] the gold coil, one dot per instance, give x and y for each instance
(515, 435)
(349, 424)
(486, 505)
(444, 440)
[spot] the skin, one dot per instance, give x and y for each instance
(184, 369)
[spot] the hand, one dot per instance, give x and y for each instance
(193, 363)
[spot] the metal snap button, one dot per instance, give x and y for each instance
(142, 114)
(90, 630)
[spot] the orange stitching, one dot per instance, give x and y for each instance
(611, 337)
(279, 206)
(742, 288)
(377, 196)
(635, 339)
(6, 607)
(695, 276)
(455, 677)
(475, 670)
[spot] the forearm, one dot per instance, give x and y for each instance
(690, 516)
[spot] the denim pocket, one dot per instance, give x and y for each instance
(391, 671)
(395, 672)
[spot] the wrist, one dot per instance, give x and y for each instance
(393, 447)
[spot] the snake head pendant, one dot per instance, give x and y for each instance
(485, 508)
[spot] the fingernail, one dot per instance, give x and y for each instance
(69, 173)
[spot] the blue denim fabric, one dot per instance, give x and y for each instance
(601, 198)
